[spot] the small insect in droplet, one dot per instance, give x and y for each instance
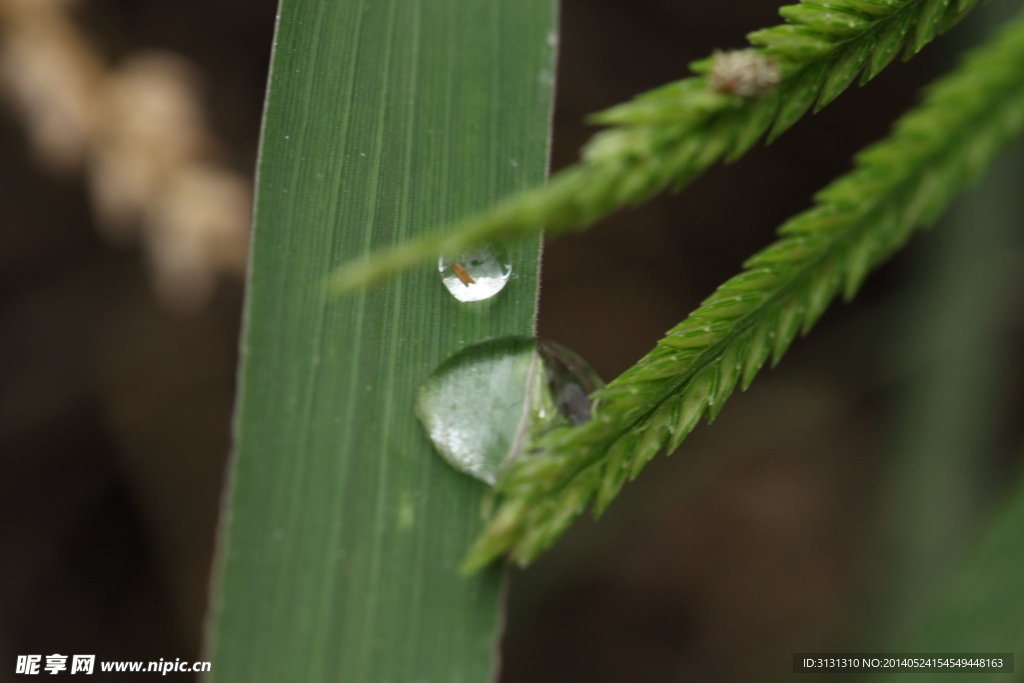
(477, 273)
(743, 72)
(461, 273)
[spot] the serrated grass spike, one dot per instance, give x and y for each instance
(926, 26)
(757, 353)
(897, 185)
(887, 45)
(667, 137)
(843, 71)
(799, 98)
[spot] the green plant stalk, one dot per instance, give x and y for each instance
(982, 607)
(670, 135)
(342, 528)
(859, 220)
(958, 341)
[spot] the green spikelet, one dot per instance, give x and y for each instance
(897, 185)
(670, 135)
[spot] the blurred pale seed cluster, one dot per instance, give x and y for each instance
(139, 133)
(744, 73)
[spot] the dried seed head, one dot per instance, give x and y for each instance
(744, 73)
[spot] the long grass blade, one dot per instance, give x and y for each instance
(343, 530)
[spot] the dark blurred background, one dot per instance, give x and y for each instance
(794, 523)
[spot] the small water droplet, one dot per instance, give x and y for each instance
(489, 402)
(406, 512)
(476, 274)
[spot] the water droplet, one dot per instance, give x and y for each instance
(570, 380)
(476, 274)
(490, 401)
(406, 512)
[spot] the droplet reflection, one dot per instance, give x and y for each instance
(570, 379)
(476, 274)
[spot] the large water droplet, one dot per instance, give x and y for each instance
(476, 274)
(488, 403)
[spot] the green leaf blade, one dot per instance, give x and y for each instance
(343, 529)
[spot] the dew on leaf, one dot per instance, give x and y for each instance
(476, 274)
(489, 402)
